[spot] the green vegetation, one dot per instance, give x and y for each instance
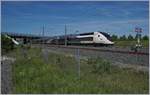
(126, 41)
(7, 44)
(99, 65)
(129, 37)
(32, 74)
(145, 38)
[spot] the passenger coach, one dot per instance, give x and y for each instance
(92, 38)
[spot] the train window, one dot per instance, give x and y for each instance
(91, 33)
(106, 35)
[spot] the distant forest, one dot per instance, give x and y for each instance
(129, 37)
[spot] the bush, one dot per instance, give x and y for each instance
(123, 37)
(100, 65)
(114, 37)
(145, 37)
(130, 37)
(7, 44)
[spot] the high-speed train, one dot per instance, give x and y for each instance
(92, 38)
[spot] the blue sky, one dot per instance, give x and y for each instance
(119, 18)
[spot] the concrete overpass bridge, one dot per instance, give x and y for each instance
(27, 38)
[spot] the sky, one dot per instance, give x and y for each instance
(113, 17)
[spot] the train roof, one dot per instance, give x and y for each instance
(105, 34)
(81, 34)
(89, 33)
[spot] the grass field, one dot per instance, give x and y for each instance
(59, 74)
(131, 43)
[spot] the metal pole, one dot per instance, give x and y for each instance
(78, 62)
(43, 36)
(137, 44)
(57, 40)
(44, 51)
(65, 35)
(138, 38)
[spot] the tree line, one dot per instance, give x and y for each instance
(129, 37)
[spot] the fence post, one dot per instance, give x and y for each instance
(45, 55)
(24, 51)
(78, 61)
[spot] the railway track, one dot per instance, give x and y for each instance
(102, 49)
(114, 55)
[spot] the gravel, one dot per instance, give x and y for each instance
(133, 59)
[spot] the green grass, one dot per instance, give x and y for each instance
(59, 74)
(131, 43)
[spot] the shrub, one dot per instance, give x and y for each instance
(7, 44)
(145, 37)
(114, 37)
(123, 37)
(130, 37)
(100, 65)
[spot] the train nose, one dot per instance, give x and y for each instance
(111, 42)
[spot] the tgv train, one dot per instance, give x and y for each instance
(92, 38)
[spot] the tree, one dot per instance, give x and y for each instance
(145, 37)
(130, 37)
(123, 37)
(114, 37)
(6, 44)
(138, 35)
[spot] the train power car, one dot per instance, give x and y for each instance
(92, 38)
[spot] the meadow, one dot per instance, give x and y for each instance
(58, 73)
(130, 43)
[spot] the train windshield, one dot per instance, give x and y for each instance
(106, 35)
(83, 34)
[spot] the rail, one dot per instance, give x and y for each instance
(103, 50)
